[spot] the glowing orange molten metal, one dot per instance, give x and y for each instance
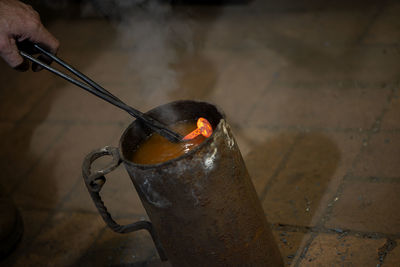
(203, 127)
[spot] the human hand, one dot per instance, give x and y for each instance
(19, 22)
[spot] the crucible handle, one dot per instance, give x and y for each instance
(95, 181)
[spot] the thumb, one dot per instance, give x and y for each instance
(9, 51)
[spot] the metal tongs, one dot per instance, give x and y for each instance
(94, 88)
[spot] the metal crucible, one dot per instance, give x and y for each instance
(203, 207)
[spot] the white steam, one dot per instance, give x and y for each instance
(154, 34)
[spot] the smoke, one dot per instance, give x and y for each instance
(153, 35)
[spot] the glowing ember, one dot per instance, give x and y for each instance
(203, 127)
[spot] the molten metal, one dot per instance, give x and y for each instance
(203, 127)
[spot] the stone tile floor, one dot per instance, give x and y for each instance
(311, 89)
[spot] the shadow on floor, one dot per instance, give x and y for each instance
(21, 95)
(292, 173)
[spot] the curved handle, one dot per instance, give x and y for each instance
(95, 181)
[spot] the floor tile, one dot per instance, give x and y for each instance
(380, 157)
(70, 103)
(265, 155)
(310, 89)
(23, 93)
(335, 25)
(289, 244)
(60, 168)
(33, 221)
(78, 234)
(319, 107)
(392, 256)
(335, 250)
(364, 206)
(24, 148)
(384, 28)
(120, 249)
(237, 92)
(119, 196)
(310, 177)
(390, 120)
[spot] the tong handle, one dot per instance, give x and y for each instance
(96, 89)
(74, 71)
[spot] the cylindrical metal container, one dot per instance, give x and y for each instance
(202, 205)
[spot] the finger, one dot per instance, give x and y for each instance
(9, 52)
(43, 37)
(48, 42)
(24, 66)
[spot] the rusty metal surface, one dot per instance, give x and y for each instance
(203, 205)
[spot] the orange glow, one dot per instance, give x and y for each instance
(203, 127)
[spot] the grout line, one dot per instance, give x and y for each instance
(374, 129)
(339, 191)
(281, 166)
(385, 249)
(305, 249)
(67, 197)
(338, 231)
(51, 212)
(373, 179)
(58, 207)
(370, 23)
